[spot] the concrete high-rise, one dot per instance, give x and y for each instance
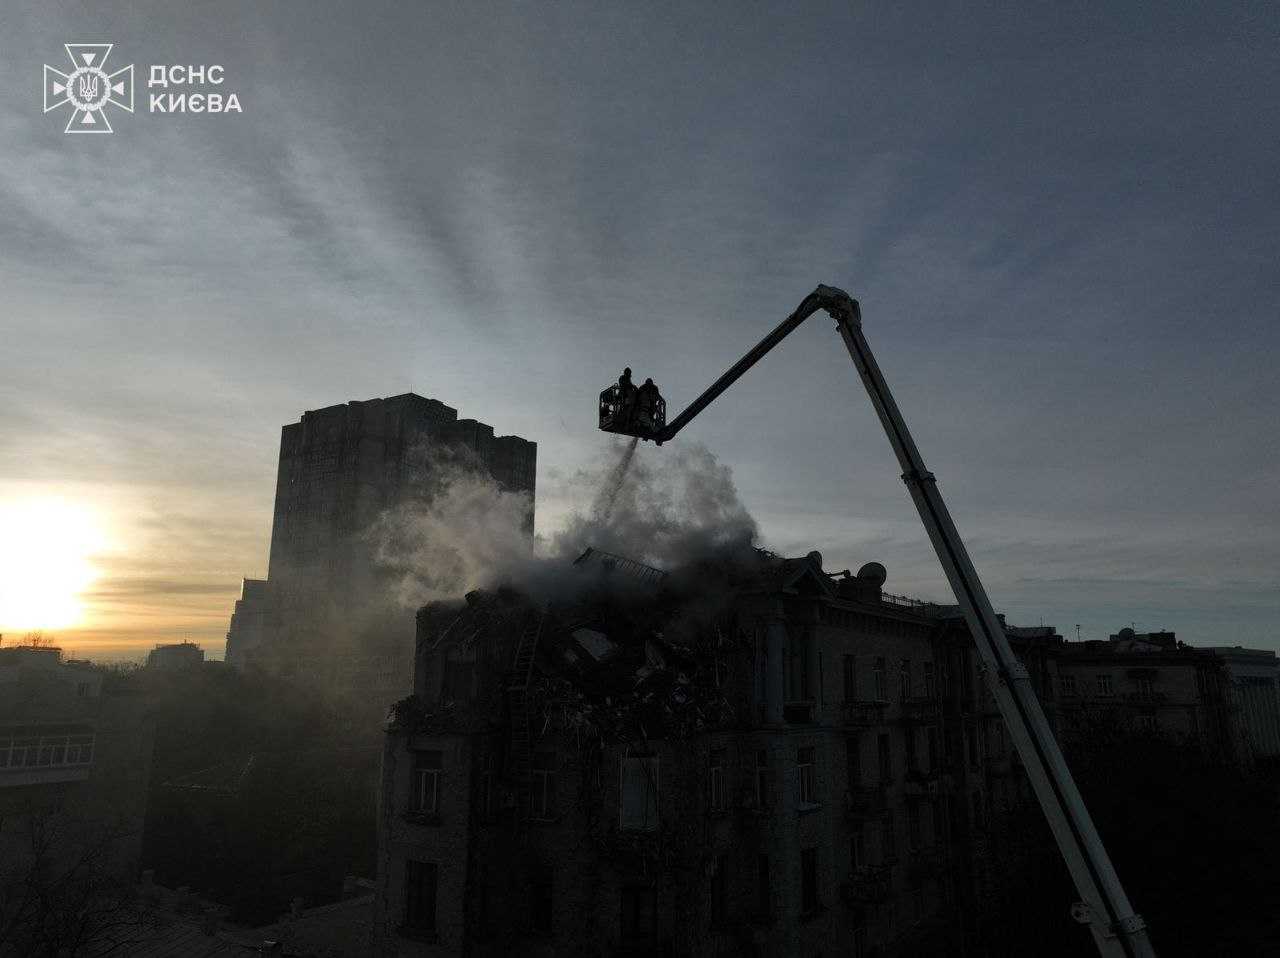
(329, 618)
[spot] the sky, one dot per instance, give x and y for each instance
(1061, 223)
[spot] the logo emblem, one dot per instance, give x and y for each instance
(89, 88)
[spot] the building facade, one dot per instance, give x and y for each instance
(245, 631)
(329, 613)
(1225, 700)
(781, 764)
(74, 768)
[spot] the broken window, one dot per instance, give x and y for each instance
(809, 879)
(486, 785)
(762, 778)
(888, 841)
(853, 760)
(542, 795)
(427, 768)
(804, 769)
(543, 882)
(639, 793)
(420, 881)
(715, 780)
(719, 889)
(639, 918)
(763, 896)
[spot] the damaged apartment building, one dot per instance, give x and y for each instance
(742, 758)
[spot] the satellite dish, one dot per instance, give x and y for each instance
(816, 558)
(873, 572)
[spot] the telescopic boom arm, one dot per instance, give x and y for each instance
(1117, 930)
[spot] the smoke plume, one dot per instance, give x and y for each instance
(665, 507)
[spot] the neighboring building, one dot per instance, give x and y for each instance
(74, 765)
(763, 763)
(171, 658)
(245, 632)
(1223, 699)
(1254, 680)
(329, 616)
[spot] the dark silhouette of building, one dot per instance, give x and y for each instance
(329, 615)
(245, 631)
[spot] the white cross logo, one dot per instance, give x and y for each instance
(88, 88)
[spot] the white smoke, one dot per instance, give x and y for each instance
(665, 507)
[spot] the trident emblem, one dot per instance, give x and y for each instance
(88, 88)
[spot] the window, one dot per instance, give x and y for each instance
(420, 880)
(762, 778)
(904, 679)
(853, 760)
(888, 841)
(482, 896)
(860, 947)
(82, 690)
(715, 780)
(857, 856)
(640, 793)
(639, 919)
(909, 742)
(426, 783)
(882, 754)
(931, 742)
(47, 750)
(809, 879)
(877, 680)
(543, 904)
(979, 818)
(804, 769)
(542, 797)
(1105, 686)
(888, 921)
(850, 679)
(930, 683)
(763, 896)
(719, 889)
(1146, 688)
(913, 825)
(486, 785)
(971, 734)
(1147, 723)
(1068, 683)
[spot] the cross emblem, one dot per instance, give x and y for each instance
(88, 88)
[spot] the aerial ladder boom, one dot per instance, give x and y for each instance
(1117, 930)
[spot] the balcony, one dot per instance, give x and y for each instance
(867, 884)
(999, 764)
(797, 713)
(1145, 698)
(925, 862)
(864, 714)
(861, 802)
(919, 708)
(921, 784)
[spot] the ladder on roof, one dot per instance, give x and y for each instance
(518, 695)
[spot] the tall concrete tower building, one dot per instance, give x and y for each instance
(329, 617)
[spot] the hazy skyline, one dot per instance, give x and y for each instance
(1061, 225)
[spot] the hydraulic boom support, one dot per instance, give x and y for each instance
(1117, 929)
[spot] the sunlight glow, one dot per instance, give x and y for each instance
(45, 551)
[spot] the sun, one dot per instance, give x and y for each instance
(45, 567)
